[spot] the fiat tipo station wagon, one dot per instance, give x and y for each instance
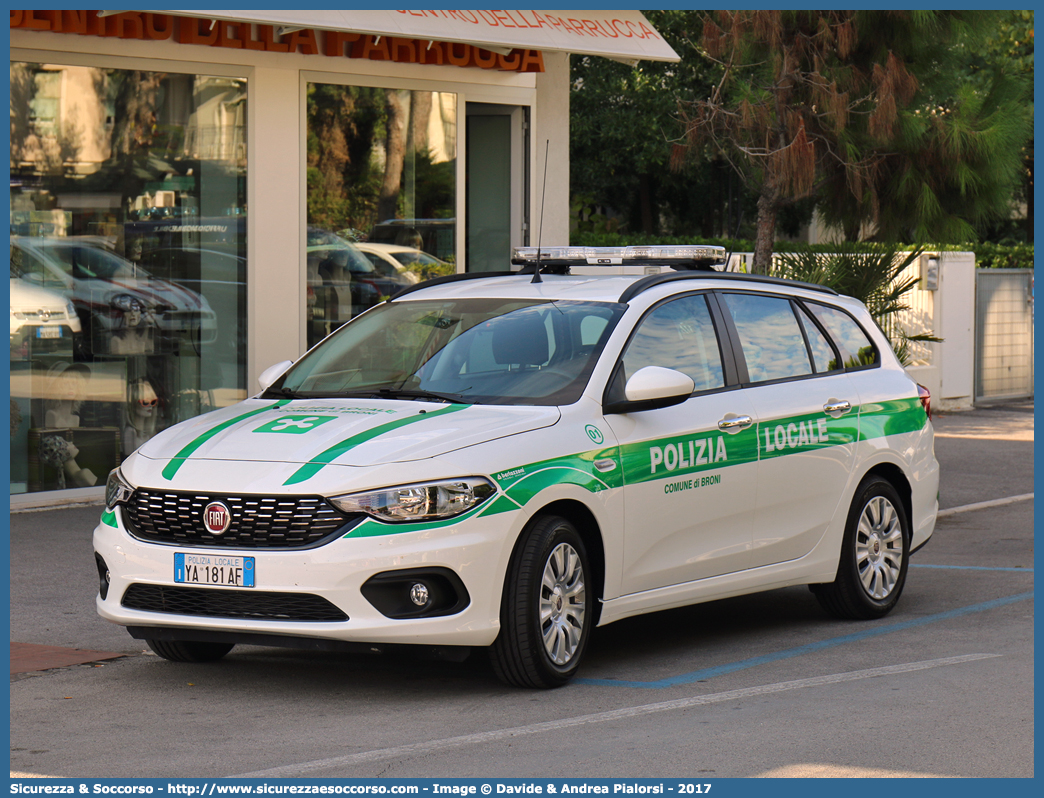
(511, 460)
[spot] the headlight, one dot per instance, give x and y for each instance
(127, 303)
(70, 309)
(117, 490)
(428, 501)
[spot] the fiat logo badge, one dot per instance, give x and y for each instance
(217, 518)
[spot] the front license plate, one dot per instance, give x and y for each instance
(48, 332)
(213, 569)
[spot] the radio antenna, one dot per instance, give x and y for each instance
(543, 196)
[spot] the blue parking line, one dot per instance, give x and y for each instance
(707, 673)
(973, 568)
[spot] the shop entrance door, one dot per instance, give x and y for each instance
(495, 185)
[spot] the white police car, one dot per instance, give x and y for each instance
(510, 460)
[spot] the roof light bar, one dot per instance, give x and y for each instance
(678, 257)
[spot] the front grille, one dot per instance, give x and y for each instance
(243, 604)
(42, 315)
(258, 522)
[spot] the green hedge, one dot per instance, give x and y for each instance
(987, 255)
(1003, 256)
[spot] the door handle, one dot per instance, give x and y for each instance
(733, 423)
(837, 407)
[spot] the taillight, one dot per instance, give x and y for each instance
(926, 400)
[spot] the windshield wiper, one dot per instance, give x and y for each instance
(407, 393)
(280, 393)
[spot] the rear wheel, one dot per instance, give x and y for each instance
(189, 650)
(874, 555)
(546, 611)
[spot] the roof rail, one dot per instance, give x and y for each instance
(654, 280)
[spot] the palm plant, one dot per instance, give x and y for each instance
(872, 273)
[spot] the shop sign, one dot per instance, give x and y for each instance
(247, 36)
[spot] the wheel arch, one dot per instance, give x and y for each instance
(895, 475)
(587, 526)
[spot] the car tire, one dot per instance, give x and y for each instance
(189, 650)
(875, 555)
(547, 611)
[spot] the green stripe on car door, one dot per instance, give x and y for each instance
(519, 485)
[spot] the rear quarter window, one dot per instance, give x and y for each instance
(857, 350)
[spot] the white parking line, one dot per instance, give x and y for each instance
(966, 508)
(18, 775)
(429, 746)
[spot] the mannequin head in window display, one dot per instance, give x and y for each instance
(66, 390)
(142, 409)
(61, 454)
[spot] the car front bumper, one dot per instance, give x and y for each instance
(476, 550)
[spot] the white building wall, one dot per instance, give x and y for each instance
(275, 228)
(951, 371)
(551, 135)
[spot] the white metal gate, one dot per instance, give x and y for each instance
(1003, 334)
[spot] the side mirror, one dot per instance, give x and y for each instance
(270, 374)
(653, 387)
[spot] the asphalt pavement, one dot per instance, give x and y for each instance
(762, 685)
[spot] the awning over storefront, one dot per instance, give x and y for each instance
(620, 35)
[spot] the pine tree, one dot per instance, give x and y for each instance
(840, 102)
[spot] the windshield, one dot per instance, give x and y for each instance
(330, 249)
(86, 262)
(472, 351)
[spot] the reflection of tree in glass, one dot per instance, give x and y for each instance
(40, 134)
(678, 335)
(771, 339)
(343, 123)
(856, 349)
(372, 156)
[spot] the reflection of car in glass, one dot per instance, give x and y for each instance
(216, 275)
(342, 282)
(431, 235)
(491, 461)
(411, 264)
(45, 316)
(122, 306)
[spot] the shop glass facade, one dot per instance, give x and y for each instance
(128, 262)
(381, 177)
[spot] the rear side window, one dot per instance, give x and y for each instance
(679, 335)
(856, 348)
(773, 345)
(823, 356)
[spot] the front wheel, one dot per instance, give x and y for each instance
(546, 611)
(875, 555)
(189, 650)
